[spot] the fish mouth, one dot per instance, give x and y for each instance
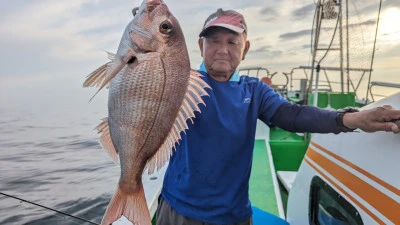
(152, 4)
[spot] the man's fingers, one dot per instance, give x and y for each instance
(396, 126)
(397, 122)
(383, 126)
(388, 113)
(395, 129)
(387, 106)
(387, 126)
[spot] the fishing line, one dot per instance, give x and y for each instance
(45, 207)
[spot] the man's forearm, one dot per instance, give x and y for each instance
(299, 118)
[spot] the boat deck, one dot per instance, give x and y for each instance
(262, 188)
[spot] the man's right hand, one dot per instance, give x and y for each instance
(383, 118)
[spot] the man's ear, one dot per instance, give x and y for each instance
(201, 45)
(246, 49)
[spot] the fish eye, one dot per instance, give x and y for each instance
(166, 27)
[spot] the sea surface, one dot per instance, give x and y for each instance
(54, 159)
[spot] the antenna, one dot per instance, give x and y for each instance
(342, 44)
(325, 10)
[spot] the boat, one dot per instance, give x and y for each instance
(349, 178)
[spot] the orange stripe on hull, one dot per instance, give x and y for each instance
(346, 194)
(365, 173)
(381, 202)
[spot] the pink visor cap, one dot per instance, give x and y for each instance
(229, 19)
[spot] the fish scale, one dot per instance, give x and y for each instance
(141, 101)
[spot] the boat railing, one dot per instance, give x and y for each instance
(323, 85)
(327, 84)
(381, 84)
(264, 74)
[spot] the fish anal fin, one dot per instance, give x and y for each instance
(192, 98)
(105, 140)
(132, 205)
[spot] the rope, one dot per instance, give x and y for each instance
(312, 29)
(333, 37)
(66, 214)
(373, 52)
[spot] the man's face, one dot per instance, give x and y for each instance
(222, 51)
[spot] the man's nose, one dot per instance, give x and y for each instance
(223, 48)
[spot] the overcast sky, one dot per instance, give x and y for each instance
(49, 46)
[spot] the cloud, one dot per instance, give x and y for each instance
(307, 32)
(365, 23)
(258, 39)
(262, 49)
(294, 35)
(51, 37)
(275, 54)
(44, 37)
(303, 12)
(391, 3)
(264, 52)
(269, 13)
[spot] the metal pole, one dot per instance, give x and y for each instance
(341, 46)
(316, 86)
(348, 46)
(317, 30)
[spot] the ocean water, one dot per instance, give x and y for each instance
(54, 159)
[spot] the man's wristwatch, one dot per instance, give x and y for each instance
(339, 118)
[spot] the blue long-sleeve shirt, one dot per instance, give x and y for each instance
(303, 118)
(208, 175)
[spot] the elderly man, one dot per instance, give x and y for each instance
(207, 179)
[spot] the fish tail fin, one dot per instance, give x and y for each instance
(133, 206)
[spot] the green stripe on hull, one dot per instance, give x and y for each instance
(262, 194)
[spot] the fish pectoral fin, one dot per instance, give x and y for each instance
(106, 141)
(110, 55)
(131, 205)
(102, 76)
(96, 78)
(193, 97)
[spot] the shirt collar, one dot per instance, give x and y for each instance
(234, 78)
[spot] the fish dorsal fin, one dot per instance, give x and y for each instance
(196, 89)
(105, 140)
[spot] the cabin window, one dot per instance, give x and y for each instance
(327, 207)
